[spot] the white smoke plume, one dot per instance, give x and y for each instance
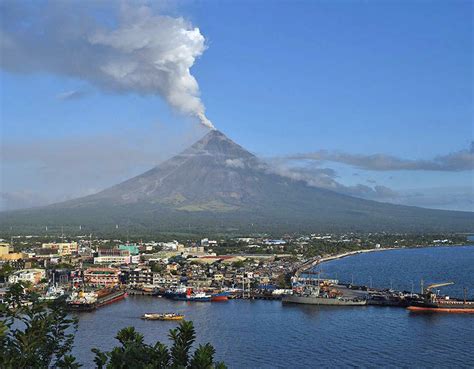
(123, 48)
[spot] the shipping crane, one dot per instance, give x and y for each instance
(436, 285)
(433, 296)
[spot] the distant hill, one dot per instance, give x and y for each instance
(216, 185)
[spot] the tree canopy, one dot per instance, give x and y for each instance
(133, 352)
(37, 334)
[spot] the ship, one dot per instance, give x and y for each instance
(162, 316)
(391, 298)
(175, 291)
(82, 301)
(433, 303)
(220, 296)
(193, 296)
(53, 293)
(89, 301)
(109, 296)
(313, 295)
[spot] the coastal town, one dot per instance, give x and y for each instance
(195, 270)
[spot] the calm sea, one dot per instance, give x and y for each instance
(265, 334)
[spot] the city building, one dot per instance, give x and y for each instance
(102, 276)
(33, 276)
(63, 248)
(4, 248)
(132, 248)
(13, 256)
(140, 276)
(115, 256)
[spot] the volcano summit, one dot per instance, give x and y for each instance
(217, 185)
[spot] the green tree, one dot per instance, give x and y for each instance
(238, 264)
(134, 353)
(157, 267)
(5, 270)
(35, 334)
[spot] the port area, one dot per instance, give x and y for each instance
(377, 297)
(373, 296)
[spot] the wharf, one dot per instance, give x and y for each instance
(260, 296)
(135, 292)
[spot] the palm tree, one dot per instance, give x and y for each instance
(134, 353)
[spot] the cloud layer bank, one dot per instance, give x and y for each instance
(117, 48)
(454, 162)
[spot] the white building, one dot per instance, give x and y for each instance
(116, 256)
(170, 246)
(33, 276)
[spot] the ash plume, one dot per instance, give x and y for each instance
(121, 48)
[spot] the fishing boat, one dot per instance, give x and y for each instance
(162, 316)
(432, 303)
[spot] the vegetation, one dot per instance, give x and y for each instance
(5, 271)
(157, 267)
(134, 353)
(35, 334)
(284, 280)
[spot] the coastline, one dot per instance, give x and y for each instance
(316, 261)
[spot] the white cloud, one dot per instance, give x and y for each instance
(462, 160)
(71, 95)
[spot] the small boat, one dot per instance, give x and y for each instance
(161, 316)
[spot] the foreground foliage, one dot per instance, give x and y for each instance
(36, 334)
(134, 353)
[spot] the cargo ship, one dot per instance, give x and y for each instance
(432, 303)
(106, 297)
(89, 301)
(312, 295)
(82, 301)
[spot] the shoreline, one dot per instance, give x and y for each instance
(312, 263)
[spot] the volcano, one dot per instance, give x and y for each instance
(217, 185)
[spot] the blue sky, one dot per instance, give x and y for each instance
(280, 78)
